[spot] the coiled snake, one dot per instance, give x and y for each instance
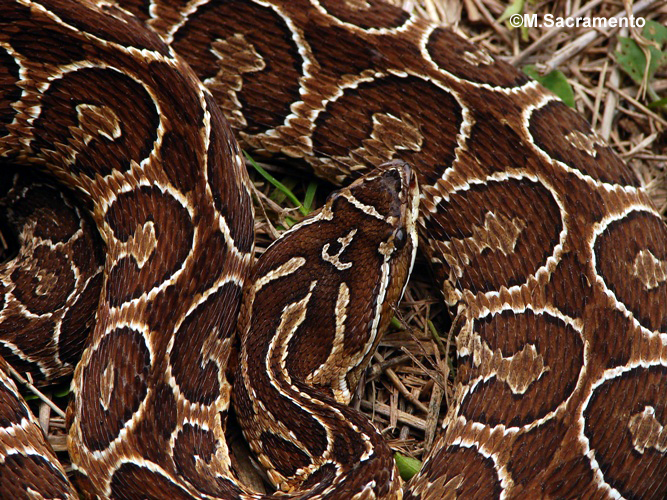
(545, 246)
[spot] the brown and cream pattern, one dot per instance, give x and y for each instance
(547, 249)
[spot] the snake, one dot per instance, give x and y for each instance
(545, 246)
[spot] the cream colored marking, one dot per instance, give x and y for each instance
(331, 372)
(412, 235)
(477, 57)
(584, 142)
(499, 233)
(335, 259)
(390, 135)
(324, 214)
(98, 120)
(357, 4)
(518, 371)
(442, 488)
(231, 244)
(366, 492)
(236, 56)
(385, 277)
(649, 269)
(367, 209)
(107, 385)
(281, 271)
(647, 431)
(47, 279)
(140, 246)
(491, 452)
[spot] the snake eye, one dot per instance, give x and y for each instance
(400, 239)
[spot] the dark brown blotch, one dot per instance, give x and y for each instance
(570, 286)
(149, 210)
(122, 99)
(521, 214)
(131, 481)
(459, 57)
(266, 31)
(44, 283)
(9, 90)
(225, 177)
(110, 23)
(465, 471)
(624, 423)
(78, 321)
(536, 456)
(537, 378)
(285, 456)
(115, 387)
(631, 258)
(12, 410)
(428, 143)
(384, 15)
(552, 127)
(198, 345)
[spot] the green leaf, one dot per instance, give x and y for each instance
(516, 7)
(278, 195)
(407, 466)
(655, 32)
(554, 81)
(632, 58)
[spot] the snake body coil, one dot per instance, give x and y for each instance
(546, 248)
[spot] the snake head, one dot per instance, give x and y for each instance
(382, 208)
(390, 196)
(347, 267)
(314, 309)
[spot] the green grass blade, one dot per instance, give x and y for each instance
(277, 184)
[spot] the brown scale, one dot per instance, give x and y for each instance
(586, 270)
